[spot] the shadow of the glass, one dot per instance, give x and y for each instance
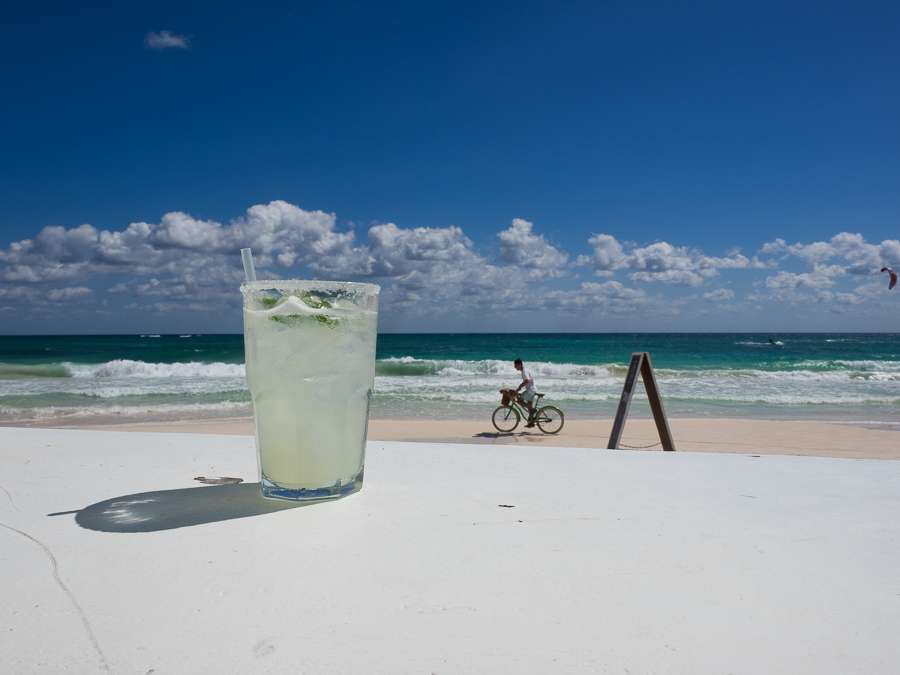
(170, 509)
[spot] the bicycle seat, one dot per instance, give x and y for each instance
(539, 395)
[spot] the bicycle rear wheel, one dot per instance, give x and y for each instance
(550, 420)
(505, 419)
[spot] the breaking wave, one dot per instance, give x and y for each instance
(442, 387)
(141, 369)
(412, 367)
(122, 368)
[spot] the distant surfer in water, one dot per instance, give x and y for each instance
(772, 341)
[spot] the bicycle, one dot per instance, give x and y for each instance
(506, 418)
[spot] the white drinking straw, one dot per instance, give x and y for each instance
(249, 270)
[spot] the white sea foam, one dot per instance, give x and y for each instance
(126, 368)
(872, 365)
(446, 367)
(826, 371)
(155, 384)
(172, 411)
(585, 386)
(423, 387)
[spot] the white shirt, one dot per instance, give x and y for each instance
(528, 379)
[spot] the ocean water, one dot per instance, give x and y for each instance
(100, 379)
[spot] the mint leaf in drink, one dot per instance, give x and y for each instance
(330, 321)
(313, 301)
(297, 320)
(269, 303)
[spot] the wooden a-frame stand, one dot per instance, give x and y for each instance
(640, 362)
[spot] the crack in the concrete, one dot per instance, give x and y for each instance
(65, 589)
(10, 498)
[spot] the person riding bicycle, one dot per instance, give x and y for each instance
(506, 417)
(530, 390)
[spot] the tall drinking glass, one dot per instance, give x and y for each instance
(310, 354)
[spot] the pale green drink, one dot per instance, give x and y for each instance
(310, 355)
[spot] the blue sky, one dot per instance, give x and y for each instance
(495, 166)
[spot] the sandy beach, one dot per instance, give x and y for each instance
(759, 437)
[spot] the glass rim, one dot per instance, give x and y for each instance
(289, 285)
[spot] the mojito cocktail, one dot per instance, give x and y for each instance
(310, 354)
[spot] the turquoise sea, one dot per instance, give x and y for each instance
(117, 378)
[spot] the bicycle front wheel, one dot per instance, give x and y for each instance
(550, 420)
(505, 419)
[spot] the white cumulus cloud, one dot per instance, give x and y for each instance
(187, 264)
(859, 256)
(719, 295)
(183, 259)
(660, 262)
(520, 246)
(166, 40)
(845, 255)
(76, 294)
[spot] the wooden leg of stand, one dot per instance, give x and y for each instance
(625, 402)
(656, 405)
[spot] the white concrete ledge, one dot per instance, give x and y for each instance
(599, 561)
